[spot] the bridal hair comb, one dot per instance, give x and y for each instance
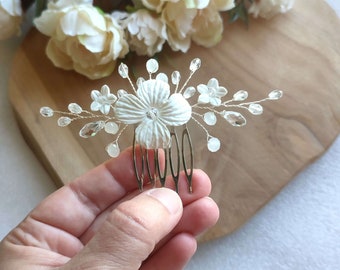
(160, 115)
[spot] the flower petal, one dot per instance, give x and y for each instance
(153, 92)
(203, 99)
(130, 109)
(202, 89)
(176, 111)
(153, 135)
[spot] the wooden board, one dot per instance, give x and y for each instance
(298, 52)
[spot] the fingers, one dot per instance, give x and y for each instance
(131, 231)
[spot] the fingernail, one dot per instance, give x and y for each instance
(168, 198)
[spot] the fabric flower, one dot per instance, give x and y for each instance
(269, 8)
(10, 18)
(153, 109)
(211, 93)
(102, 100)
(82, 38)
(146, 33)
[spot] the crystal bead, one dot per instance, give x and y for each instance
(175, 77)
(75, 108)
(91, 129)
(275, 94)
(255, 109)
(123, 70)
(210, 118)
(195, 64)
(64, 121)
(46, 111)
(240, 95)
(113, 150)
(214, 144)
(121, 92)
(189, 92)
(111, 128)
(152, 66)
(234, 118)
(162, 77)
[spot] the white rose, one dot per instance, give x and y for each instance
(178, 20)
(269, 8)
(82, 38)
(10, 18)
(146, 33)
(208, 27)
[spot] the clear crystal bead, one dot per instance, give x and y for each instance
(121, 92)
(275, 94)
(123, 70)
(175, 77)
(195, 64)
(75, 108)
(240, 95)
(234, 118)
(64, 121)
(255, 109)
(46, 111)
(113, 149)
(152, 66)
(189, 92)
(214, 144)
(111, 128)
(210, 118)
(91, 129)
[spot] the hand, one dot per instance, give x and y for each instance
(100, 221)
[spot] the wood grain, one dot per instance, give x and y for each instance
(298, 52)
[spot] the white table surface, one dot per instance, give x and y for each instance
(299, 229)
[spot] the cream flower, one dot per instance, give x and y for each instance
(208, 27)
(224, 5)
(178, 20)
(211, 93)
(269, 8)
(153, 109)
(10, 18)
(102, 100)
(82, 38)
(146, 33)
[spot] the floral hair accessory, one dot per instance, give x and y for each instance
(159, 108)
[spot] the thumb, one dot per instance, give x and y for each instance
(131, 231)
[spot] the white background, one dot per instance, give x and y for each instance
(299, 229)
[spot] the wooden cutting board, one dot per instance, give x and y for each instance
(298, 52)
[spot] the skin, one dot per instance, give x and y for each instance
(100, 221)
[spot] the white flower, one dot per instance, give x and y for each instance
(211, 93)
(178, 20)
(10, 18)
(199, 4)
(102, 100)
(82, 38)
(269, 8)
(224, 5)
(208, 27)
(146, 33)
(154, 109)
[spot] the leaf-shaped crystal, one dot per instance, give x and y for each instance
(121, 92)
(189, 92)
(195, 64)
(240, 95)
(123, 70)
(91, 129)
(75, 108)
(113, 149)
(275, 94)
(46, 111)
(111, 128)
(214, 144)
(255, 109)
(234, 118)
(210, 118)
(175, 77)
(64, 121)
(152, 65)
